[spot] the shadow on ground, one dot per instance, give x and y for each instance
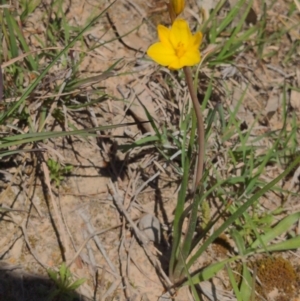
(19, 285)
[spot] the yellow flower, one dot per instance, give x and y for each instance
(177, 47)
(177, 6)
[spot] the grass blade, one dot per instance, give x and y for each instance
(240, 211)
(16, 105)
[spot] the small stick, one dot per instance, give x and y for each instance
(91, 230)
(1, 85)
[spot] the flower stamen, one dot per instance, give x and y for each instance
(180, 49)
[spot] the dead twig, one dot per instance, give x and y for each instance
(142, 239)
(57, 216)
(90, 229)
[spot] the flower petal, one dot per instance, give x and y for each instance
(162, 54)
(164, 34)
(180, 33)
(197, 39)
(176, 64)
(190, 58)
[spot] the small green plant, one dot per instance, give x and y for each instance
(65, 287)
(240, 191)
(58, 171)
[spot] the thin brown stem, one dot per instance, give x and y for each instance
(200, 125)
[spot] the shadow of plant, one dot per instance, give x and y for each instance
(19, 285)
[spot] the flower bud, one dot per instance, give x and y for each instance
(177, 6)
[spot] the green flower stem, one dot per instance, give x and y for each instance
(200, 126)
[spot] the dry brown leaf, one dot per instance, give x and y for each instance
(273, 104)
(295, 100)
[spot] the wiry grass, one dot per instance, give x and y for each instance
(48, 106)
(244, 166)
(243, 186)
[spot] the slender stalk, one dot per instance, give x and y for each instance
(200, 126)
(177, 273)
(185, 249)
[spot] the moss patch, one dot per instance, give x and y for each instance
(276, 275)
